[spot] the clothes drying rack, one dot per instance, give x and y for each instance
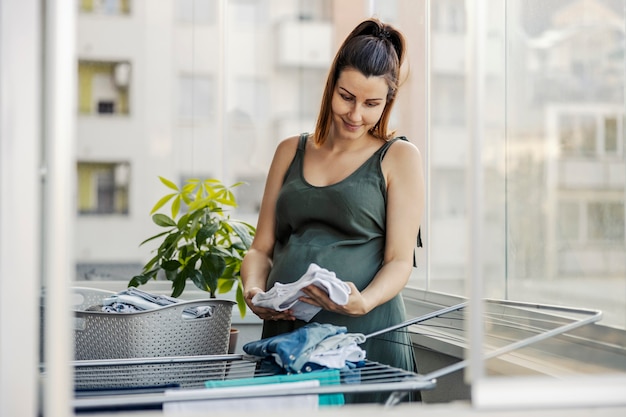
(145, 382)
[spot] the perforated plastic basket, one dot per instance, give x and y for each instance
(154, 333)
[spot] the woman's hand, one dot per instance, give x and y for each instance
(355, 307)
(265, 313)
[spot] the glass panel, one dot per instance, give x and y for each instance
(565, 105)
(552, 152)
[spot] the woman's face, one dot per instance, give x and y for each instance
(357, 104)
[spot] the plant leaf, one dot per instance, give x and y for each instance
(171, 265)
(243, 231)
(225, 285)
(241, 301)
(153, 237)
(162, 202)
(176, 207)
(178, 285)
(138, 280)
(169, 184)
(205, 233)
(171, 275)
(212, 267)
(163, 220)
(198, 279)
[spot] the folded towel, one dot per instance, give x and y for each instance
(256, 399)
(285, 296)
(325, 377)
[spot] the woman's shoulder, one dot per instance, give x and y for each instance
(288, 145)
(402, 148)
(286, 150)
(401, 157)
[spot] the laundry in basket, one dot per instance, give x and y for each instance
(175, 329)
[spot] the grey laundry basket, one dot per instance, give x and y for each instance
(154, 333)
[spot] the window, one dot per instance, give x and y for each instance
(596, 221)
(103, 88)
(578, 134)
(197, 11)
(611, 135)
(112, 7)
(448, 16)
(589, 132)
(569, 221)
(249, 13)
(196, 102)
(606, 221)
(103, 188)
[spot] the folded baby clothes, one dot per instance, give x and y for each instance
(311, 347)
(285, 296)
(291, 350)
(338, 351)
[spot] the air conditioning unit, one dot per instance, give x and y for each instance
(121, 74)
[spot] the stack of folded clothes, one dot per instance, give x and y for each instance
(312, 347)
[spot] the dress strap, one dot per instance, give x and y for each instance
(302, 142)
(383, 150)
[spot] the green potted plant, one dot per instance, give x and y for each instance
(202, 243)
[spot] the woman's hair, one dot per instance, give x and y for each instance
(374, 49)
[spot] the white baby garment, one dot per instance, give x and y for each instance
(285, 296)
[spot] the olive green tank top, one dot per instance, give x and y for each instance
(340, 227)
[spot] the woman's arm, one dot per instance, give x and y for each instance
(402, 167)
(257, 262)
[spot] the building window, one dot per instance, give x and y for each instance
(197, 11)
(448, 16)
(196, 102)
(610, 134)
(103, 87)
(249, 13)
(591, 221)
(112, 7)
(569, 220)
(606, 221)
(103, 188)
(589, 134)
(578, 134)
